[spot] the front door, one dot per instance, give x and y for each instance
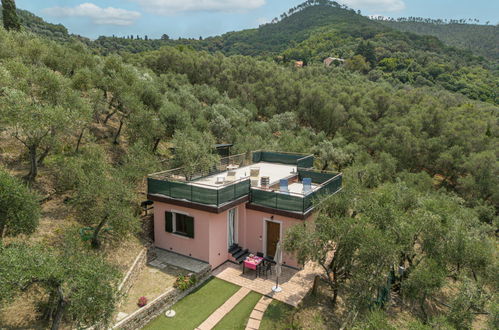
(273, 236)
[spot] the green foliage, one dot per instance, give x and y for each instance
(19, 208)
(40, 108)
(194, 152)
(9, 15)
(101, 197)
(480, 39)
(184, 282)
(71, 278)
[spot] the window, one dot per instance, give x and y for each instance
(179, 224)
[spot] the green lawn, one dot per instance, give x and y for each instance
(238, 317)
(196, 307)
(276, 316)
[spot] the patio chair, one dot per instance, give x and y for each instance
(231, 176)
(220, 180)
(259, 254)
(254, 176)
(266, 265)
(283, 186)
(307, 185)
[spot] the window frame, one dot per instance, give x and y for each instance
(174, 224)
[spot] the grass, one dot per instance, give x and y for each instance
(196, 307)
(276, 316)
(238, 317)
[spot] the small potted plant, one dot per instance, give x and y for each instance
(142, 302)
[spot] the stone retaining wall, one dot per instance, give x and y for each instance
(141, 317)
(133, 272)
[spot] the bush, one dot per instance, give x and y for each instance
(184, 282)
(142, 302)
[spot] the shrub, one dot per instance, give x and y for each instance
(142, 302)
(184, 282)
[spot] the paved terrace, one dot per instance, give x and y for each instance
(274, 171)
(295, 283)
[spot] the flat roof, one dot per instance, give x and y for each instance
(274, 171)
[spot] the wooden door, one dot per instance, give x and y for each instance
(273, 236)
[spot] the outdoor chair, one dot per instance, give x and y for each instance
(259, 254)
(283, 186)
(231, 176)
(254, 176)
(220, 180)
(266, 265)
(307, 185)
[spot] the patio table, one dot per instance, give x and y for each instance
(252, 262)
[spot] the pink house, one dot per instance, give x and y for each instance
(243, 206)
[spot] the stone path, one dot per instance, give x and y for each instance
(257, 314)
(218, 315)
(295, 284)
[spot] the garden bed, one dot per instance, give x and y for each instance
(150, 283)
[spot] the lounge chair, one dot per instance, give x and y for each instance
(231, 176)
(307, 185)
(283, 186)
(254, 176)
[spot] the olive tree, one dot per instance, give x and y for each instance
(39, 108)
(194, 152)
(19, 207)
(101, 197)
(81, 286)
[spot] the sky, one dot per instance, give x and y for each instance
(195, 18)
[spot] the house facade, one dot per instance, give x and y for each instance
(245, 205)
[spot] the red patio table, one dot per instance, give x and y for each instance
(252, 262)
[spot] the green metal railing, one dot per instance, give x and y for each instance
(303, 161)
(295, 202)
(175, 184)
(196, 193)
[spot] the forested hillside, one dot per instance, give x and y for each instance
(480, 39)
(80, 131)
(319, 29)
(37, 25)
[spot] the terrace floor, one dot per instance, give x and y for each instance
(274, 171)
(295, 283)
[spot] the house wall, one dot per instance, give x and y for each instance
(197, 247)
(210, 233)
(218, 239)
(255, 229)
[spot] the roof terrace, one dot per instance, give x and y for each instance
(280, 181)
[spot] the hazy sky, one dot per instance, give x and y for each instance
(194, 18)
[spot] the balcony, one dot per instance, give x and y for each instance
(232, 182)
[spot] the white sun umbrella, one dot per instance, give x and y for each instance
(278, 270)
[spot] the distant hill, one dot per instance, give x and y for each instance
(481, 39)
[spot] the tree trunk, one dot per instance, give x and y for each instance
(44, 155)
(423, 310)
(80, 137)
(325, 166)
(156, 144)
(316, 285)
(95, 238)
(59, 313)
(2, 231)
(116, 137)
(109, 116)
(33, 162)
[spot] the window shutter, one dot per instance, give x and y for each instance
(189, 226)
(169, 222)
